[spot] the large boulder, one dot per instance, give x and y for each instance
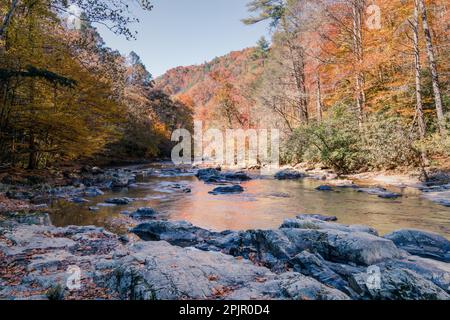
(157, 270)
(274, 248)
(180, 233)
(421, 243)
(347, 247)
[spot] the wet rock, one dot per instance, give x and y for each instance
(79, 200)
(181, 187)
(289, 174)
(421, 243)
(64, 192)
(215, 176)
(227, 190)
(105, 205)
(94, 209)
(119, 201)
(236, 176)
(380, 192)
(324, 188)
(205, 174)
(122, 180)
(317, 217)
(144, 213)
(438, 194)
(397, 284)
(93, 192)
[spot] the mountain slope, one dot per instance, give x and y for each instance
(202, 84)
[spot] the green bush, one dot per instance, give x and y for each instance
(390, 142)
(383, 142)
(335, 142)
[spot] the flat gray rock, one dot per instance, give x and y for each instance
(158, 270)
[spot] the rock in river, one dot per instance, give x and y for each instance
(380, 192)
(215, 176)
(119, 201)
(289, 174)
(93, 192)
(324, 188)
(227, 190)
(144, 213)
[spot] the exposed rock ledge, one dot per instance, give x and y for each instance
(306, 258)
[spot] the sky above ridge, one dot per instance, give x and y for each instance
(185, 32)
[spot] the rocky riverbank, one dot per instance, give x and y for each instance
(306, 258)
(386, 185)
(309, 257)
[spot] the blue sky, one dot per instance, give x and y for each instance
(185, 32)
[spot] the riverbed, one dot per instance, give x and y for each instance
(265, 204)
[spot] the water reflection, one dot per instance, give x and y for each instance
(264, 205)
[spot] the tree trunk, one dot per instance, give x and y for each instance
(319, 100)
(297, 59)
(418, 78)
(433, 68)
(8, 17)
(357, 13)
(418, 68)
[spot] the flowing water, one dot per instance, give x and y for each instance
(264, 205)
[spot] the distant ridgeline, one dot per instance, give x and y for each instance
(221, 88)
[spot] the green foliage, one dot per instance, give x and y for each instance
(390, 142)
(262, 49)
(272, 10)
(334, 142)
(383, 143)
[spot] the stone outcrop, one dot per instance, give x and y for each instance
(420, 243)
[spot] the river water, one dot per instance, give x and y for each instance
(264, 205)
